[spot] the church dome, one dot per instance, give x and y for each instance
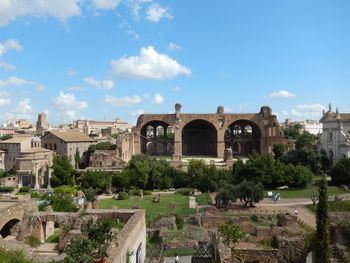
(36, 140)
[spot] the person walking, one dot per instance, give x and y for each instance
(177, 259)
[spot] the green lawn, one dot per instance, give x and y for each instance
(334, 206)
(153, 210)
(203, 199)
(297, 193)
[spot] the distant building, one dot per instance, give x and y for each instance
(33, 166)
(42, 124)
(2, 160)
(311, 126)
(31, 162)
(67, 143)
(13, 148)
(335, 138)
(91, 127)
(24, 124)
(106, 159)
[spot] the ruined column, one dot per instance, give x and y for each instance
(20, 181)
(36, 186)
(49, 178)
(177, 132)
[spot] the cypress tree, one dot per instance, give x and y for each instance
(322, 252)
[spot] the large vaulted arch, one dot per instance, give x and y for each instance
(243, 136)
(157, 138)
(199, 138)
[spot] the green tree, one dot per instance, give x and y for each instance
(79, 250)
(306, 140)
(291, 133)
(340, 172)
(99, 180)
(62, 199)
(225, 195)
(304, 156)
(322, 252)
(231, 235)
(278, 150)
(63, 172)
(249, 192)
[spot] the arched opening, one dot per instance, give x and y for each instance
(199, 137)
(155, 139)
(245, 137)
(9, 227)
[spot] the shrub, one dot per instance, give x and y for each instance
(185, 191)
(24, 189)
(123, 196)
(146, 192)
(90, 194)
(179, 221)
(134, 192)
(340, 173)
(33, 241)
(6, 189)
(35, 195)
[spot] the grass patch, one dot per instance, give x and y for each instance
(153, 210)
(53, 238)
(304, 193)
(204, 199)
(333, 206)
(178, 251)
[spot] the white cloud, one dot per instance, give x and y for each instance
(136, 6)
(103, 84)
(171, 46)
(177, 89)
(68, 106)
(23, 110)
(137, 112)
(157, 99)
(71, 72)
(281, 94)
(155, 12)
(75, 88)
(9, 44)
(133, 34)
(24, 106)
(60, 9)
(14, 81)
(6, 66)
(148, 65)
(303, 112)
(4, 99)
(122, 102)
(106, 4)
(311, 107)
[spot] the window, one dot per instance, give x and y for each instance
(330, 136)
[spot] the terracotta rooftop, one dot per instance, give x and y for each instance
(72, 136)
(17, 139)
(34, 150)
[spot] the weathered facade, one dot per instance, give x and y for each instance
(335, 138)
(106, 158)
(67, 143)
(207, 134)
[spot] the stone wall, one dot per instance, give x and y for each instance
(214, 221)
(16, 210)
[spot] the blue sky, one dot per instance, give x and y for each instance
(102, 59)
